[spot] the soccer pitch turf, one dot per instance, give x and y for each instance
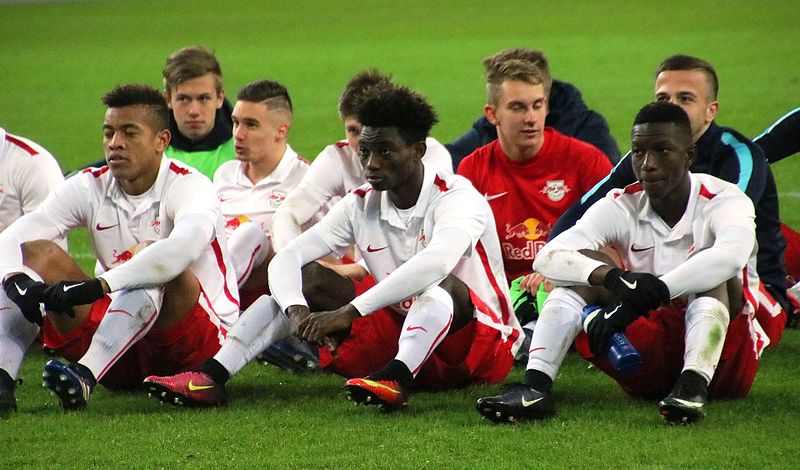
(58, 58)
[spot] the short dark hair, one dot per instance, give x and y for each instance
(525, 65)
(189, 63)
(400, 107)
(269, 92)
(357, 88)
(663, 111)
(136, 94)
(680, 62)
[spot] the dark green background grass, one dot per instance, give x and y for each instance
(57, 59)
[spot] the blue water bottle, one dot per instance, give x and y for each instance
(621, 353)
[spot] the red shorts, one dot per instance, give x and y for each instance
(659, 339)
(476, 353)
(770, 315)
(161, 352)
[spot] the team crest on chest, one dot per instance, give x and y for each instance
(555, 190)
(155, 226)
(276, 197)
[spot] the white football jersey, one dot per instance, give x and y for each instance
(687, 257)
(117, 222)
(28, 173)
(335, 172)
(386, 239)
(259, 201)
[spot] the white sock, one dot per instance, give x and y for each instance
(707, 322)
(248, 246)
(129, 317)
(16, 335)
(426, 325)
(558, 324)
(260, 326)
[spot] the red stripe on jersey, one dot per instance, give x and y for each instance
(435, 343)
(501, 299)
(706, 193)
(21, 144)
(136, 337)
(221, 265)
(440, 184)
(630, 189)
(303, 160)
(479, 304)
(748, 294)
(246, 272)
(179, 169)
(96, 172)
(341, 144)
(211, 307)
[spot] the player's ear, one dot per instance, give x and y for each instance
(419, 149)
(163, 138)
(691, 155)
(711, 111)
(220, 97)
(490, 111)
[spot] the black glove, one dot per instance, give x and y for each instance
(63, 295)
(640, 292)
(601, 323)
(27, 294)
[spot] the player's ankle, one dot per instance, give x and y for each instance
(86, 374)
(394, 370)
(538, 380)
(218, 373)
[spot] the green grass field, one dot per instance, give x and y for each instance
(57, 59)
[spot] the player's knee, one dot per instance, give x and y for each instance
(314, 275)
(47, 258)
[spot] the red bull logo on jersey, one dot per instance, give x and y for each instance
(276, 197)
(555, 190)
(529, 229)
(234, 222)
(533, 231)
(121, 257)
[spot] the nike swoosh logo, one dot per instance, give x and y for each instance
(494, 196)
(412, 328)
(631, 286)
(689, 404)
(537, 349)
(373, 250)
(100, 228)
(608, 315)
(194, 388)
(636, 249)
(66, 288)
(526, 403)
(21, 291)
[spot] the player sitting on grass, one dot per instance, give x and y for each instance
(334, 172)
(684, 296)
(161, 311)
(252, 187)
(439, 315)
